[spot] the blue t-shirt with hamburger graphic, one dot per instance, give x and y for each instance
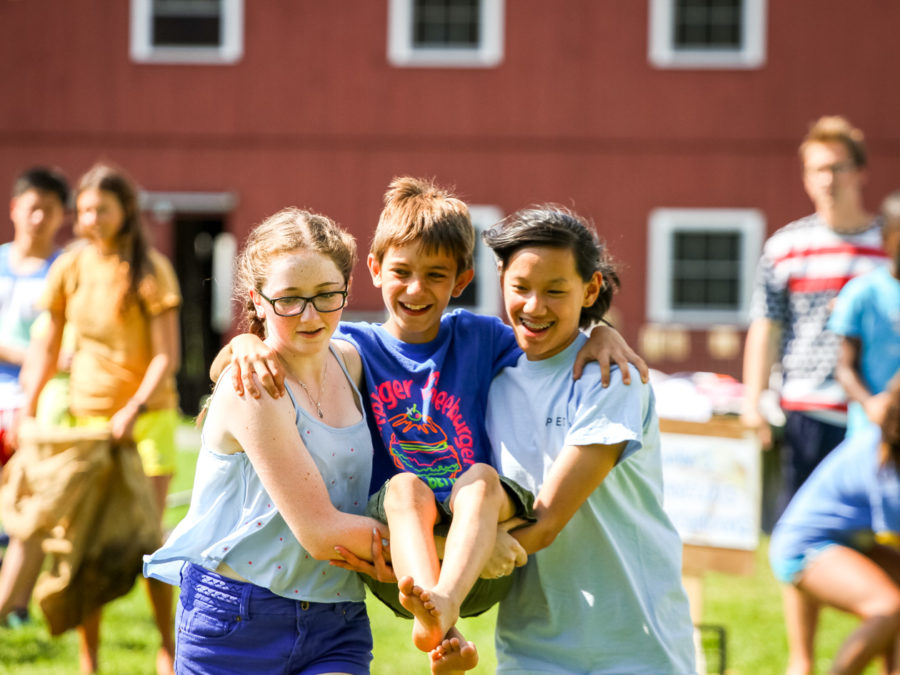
(426, 402)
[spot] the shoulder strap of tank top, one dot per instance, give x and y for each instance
(340, 359)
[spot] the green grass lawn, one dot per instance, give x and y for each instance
(748, 608)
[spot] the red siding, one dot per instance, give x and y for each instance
(315, 116)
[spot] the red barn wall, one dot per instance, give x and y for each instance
(315, 116)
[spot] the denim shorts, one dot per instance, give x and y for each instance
(789, 570)
(229, 626)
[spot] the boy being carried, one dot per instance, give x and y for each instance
(427, 375)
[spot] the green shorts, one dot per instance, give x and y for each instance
(486, 592)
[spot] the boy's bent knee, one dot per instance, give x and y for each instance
(479, 472)
(482, 476)
(406, 490)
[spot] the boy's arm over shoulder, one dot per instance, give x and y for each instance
(606, 346)
(250, 356)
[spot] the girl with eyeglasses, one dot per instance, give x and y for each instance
(280, 481)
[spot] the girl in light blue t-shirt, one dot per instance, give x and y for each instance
(602, 591)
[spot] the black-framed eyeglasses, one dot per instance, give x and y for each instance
(294, 305)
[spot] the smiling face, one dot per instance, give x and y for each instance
(416, 287)
(544, 294)
(299, 273)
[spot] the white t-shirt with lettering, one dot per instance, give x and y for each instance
(606, 596)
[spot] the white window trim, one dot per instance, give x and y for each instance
(663, 223)
(401, 51)
(229, 51)
(189, 202)
(487, 296)
(662, 52)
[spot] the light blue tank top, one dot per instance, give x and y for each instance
(232, 519)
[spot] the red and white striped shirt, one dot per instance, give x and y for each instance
(803, 267)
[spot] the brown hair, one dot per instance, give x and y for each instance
(418, 211)
(837, 129)
(288, 230)
(132, 241)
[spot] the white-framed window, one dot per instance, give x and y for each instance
(482, 295)
(445, 33)
(707, 33)
(701, 264)
(187, 31)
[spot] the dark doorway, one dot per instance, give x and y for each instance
(195, 235)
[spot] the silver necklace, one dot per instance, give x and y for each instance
(313, 401)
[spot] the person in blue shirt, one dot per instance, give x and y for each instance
(601, 592)
(867, 316)
(40, 198)
(427, 375)
(838, 543)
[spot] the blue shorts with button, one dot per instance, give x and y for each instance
(229, 626)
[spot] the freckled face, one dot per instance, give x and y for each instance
(544, 295)
(299, 273)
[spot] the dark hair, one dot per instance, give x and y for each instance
(559, 227)
(44, 179)
(132, 240)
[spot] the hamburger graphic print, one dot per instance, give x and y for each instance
(420, 446)
(426, 401)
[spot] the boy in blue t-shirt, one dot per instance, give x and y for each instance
(867, 315)
(38, 206)
(427, 376)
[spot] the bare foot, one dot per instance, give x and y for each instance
(433, 614)
(454, 655)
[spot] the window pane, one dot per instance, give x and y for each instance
(724, 247)
(187, 23)
(446, 23)
(706, 270)
(708, 24)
